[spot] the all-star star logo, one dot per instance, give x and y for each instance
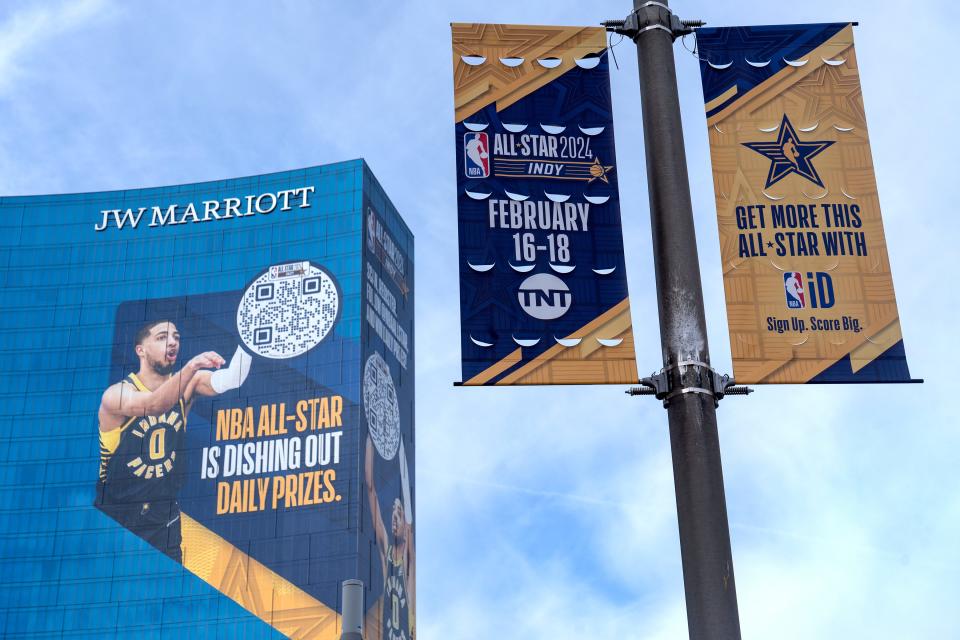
(790, 155)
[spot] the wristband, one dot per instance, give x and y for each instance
(233, 376)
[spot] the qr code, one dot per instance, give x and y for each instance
(381, 407)
(288, 310)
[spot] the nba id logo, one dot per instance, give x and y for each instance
(544, 296)
(476, 155)
(819, 286)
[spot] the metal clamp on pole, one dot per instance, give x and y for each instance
(652, 15)
(689, 376)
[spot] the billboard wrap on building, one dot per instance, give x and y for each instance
(806, 273)
(241, 354)
(387, 396)
(543, 290)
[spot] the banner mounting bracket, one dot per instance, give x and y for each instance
(689, 376)
(652, 15)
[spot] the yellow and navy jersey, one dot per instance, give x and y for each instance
(139, 461)
(397, 622)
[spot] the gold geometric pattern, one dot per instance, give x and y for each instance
(826, 101)
(586, 363)
(475, 87)
(258, 589)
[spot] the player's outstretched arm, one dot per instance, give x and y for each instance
(213, 383)
(378, 526)
(125, 400)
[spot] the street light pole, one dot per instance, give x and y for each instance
(688, 386)
(351, 614)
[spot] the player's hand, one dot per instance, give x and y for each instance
(206, 360)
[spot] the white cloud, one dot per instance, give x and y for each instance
(546, 600)
(29, 29)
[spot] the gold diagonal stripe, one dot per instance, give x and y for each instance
(261, 591)
(469, 94)
(615, 322)
(612, 314)
(840, 41)
(791, 370)
(495, 369)
(552, 352)
(878, 343)
(719, 100)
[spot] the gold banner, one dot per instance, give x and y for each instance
(806, 273)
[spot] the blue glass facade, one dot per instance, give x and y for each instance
(70, 294)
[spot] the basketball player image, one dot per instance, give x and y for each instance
(143, 419)
(397, 613)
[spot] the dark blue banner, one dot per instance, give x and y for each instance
(543, 289)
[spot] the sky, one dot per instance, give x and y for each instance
(549, 512)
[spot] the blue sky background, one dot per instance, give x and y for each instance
(549, 512)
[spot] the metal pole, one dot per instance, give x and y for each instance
(689, 396)
(351, 618)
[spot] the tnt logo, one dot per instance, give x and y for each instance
(544, 296)
(819, 286)
(476, 155)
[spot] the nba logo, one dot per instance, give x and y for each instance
(476, 155)
(793, 288)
